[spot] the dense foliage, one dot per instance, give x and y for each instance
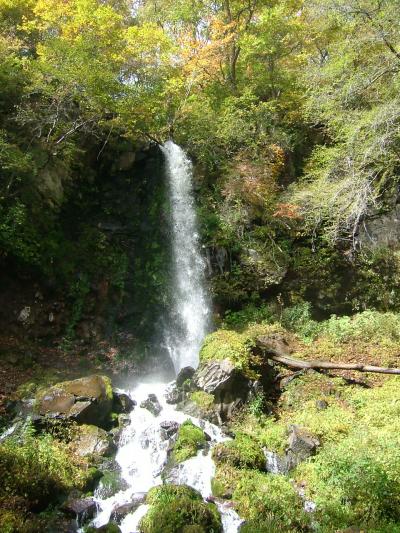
(289, 108)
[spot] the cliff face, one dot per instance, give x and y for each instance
(101, 248)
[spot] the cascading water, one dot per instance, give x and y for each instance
(191, 309)
(143, 448)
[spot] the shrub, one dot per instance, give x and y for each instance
(189, 441)
(251, 314)
(38, 470)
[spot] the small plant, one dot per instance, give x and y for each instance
(257, 405)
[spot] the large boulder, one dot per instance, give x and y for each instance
(301, 446)
(86, 400)
(123, 403)
(152, 404)
(82, 509)
(92, 441)
(184, 375)
(122, 510)
(229, 386)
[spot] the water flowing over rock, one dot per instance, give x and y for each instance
(191, 311)
(145, 444)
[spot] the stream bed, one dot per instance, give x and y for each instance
(142, 455)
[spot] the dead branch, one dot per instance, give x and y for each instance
(274, 352)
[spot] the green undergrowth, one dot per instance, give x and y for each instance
(179, 508)
(190, 440)
(261, 498)
(237, 347)
(35, 472)
(354, 479)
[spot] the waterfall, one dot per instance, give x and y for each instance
(190, 305)
(143, 449)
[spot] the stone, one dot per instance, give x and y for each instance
(121, 511)
(275, 463)
(111, 527)
(24, 315)
(83, 509)
(92, 440)
(226, 383)
(215, 376)
(184, 375)
(173, 395)
(169, 428)
(381, 231)
(86, 400)
(321, 405)
(123, 403)
(111, 482)
(301, 446)
(152, 404)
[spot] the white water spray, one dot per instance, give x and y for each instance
(191, 310)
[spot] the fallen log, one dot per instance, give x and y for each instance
(272, 352)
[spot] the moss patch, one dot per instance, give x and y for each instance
(179, 508)
(203, 400)
(37, 472)
(242, 452)
(190, 440)
(234, 346)
(261, 497)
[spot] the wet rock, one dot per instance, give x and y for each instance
(301, 446)
(184, 375)
(275, 463)
(229, 386)
(83, 509)
(121, 511)
(24, 315)
(123, 421)
(152, 404)
(122, 402)
(112, 481)
(169, 428)
(85, 400)
(191, 408)
(173, 395)
(92, 440)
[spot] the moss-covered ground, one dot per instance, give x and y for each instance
(354, 478)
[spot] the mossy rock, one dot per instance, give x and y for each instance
(91, 441)
(225, 480)
(260, 497)
(242, 452)
(176, 508)
(229, 345)
(190, 439)
(86, 400)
